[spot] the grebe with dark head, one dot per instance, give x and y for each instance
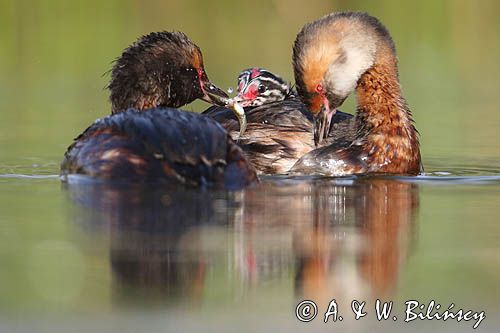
(279, 127)
(146, 138)
(335, 56)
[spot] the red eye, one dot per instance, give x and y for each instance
(319, 89)
(200, 72)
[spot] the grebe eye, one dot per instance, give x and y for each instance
(319, 89)
(262, 88)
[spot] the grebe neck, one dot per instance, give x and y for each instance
(385, 126)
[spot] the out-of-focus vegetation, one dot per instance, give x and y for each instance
(53, 55)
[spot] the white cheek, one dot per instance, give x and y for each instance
(342, 76)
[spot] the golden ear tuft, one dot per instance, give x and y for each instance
(196, 59)
(318, 56)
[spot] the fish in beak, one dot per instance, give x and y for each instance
(217, 96)
(239, 112)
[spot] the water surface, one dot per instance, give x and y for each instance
(106, 258)
(108, 255)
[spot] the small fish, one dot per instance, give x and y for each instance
(240, 114)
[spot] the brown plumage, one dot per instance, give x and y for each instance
(146, 139)
(334, 56)
(155, 72)
(279, 126)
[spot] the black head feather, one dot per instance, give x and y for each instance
(158, 70)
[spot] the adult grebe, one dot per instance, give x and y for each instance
(146, 139)
(334, 56)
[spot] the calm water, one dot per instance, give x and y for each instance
(86, 257)
(135, 258)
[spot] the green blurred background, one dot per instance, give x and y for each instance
(53, 55)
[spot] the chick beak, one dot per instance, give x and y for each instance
(242, 100)
(322, 122)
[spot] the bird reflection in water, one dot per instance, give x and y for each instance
(360, 256)
(344, 238)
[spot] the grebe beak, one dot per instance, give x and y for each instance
(214, 94)
(323, 118)
(217, 96)
(322, 121)
(241, 100)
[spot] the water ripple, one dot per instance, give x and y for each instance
(436, 172)
(22, 176)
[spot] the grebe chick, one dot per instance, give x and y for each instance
(146, 139)
(258, 86)
(334, 56)
(279, 129)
